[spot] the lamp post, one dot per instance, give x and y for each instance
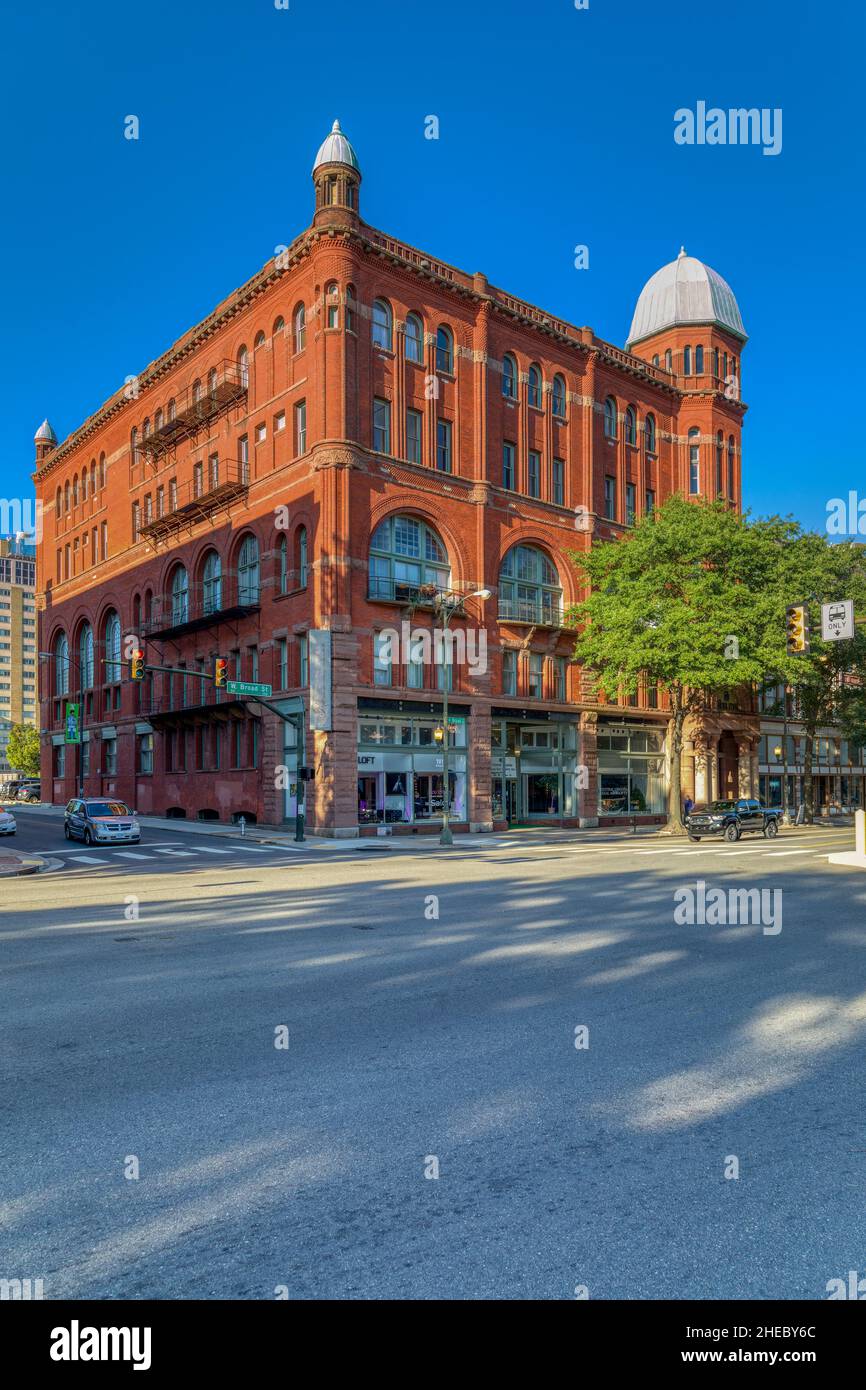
(445, 604)
(79, 764)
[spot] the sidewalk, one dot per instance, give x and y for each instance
(14, 865)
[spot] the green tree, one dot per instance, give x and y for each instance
(22, 752)
(687, 600)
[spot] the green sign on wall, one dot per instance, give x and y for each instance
(72, 733)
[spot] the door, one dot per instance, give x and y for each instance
(511, 808)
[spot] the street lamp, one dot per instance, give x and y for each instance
(445, 604)
(79, 757)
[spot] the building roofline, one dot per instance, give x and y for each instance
(436, 271)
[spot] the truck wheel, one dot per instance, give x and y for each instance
(732, 832)
(771, 829)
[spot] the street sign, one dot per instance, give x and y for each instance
(72, 730)
(837, 620)
(248, 688)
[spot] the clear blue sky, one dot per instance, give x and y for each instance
(556, 128)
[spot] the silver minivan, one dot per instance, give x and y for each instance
(101, 820)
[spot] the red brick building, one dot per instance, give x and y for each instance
(360, 420)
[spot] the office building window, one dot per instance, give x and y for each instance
(443, 446)
(414, 428)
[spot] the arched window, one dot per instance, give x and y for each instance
(93, 478)
(529, 587)
(179, 596)
(146, 427)
(157, 424)
(212, 583)
(694, 461)
(717, 365)
(61, 665)
(299, 327)
(85, 657)
(687, 360)
(301, 555)
(171, 409)
(113, 668)
(669, 360)
(650, 434)
(66, 496)
(382, 324)
(84, 484)
(196, 386)
(655, 359)
(534, 386)
(610, 417)
(414, 338)
(58, 502)
(406, 553)
(731, 474)
(720, 464)
(559, 396)
(699, 360)
(248, 571)
(350, 308)
(212, 383)
(283, 564)
(133, 445)
(244, 366)
(332, 303)
(75, 491)
(279, 325)
(630, 425)
(102, 474)
(444, 349)
(260, 339)
(509, 377)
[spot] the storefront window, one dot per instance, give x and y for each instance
(631, 771)
(401, 771)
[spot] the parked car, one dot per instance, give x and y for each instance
(731, 819)
(101, 821)
(29, 791)
(7, 823)
(10, 788)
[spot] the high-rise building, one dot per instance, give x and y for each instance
(287, 486)
(18, 651)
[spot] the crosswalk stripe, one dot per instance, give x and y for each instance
(251, 849)
(129, 854)
(780, 853)
(89, 859)
(207, 849)
(178, 853)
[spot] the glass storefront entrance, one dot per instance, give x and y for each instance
(631, 770)
(401, 769)
(533, 770)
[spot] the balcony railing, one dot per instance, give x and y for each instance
(398, 591)
(196, 406)
(526, 611)
(198, 500)
(201, 605)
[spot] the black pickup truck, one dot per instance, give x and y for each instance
(732, 819)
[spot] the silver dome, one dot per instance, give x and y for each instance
(335, 149)
(45, 432)
(685, 291)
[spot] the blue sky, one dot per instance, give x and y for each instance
(556, 128)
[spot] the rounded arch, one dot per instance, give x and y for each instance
(299, 327)
(332, 304)
(559, 395)
(445, 349)
(610, 417)
(630, 425)
(279, 325)
(58, 502)
(351, 308)
(112, 647)
(75, 489)
(246, 560)
(406, 553)
(535, 386)
(259, 340)
(178, 592)
(60, 652)
(650, 433)
(529, 584)
(210, 579)
(509, 376)
(67, 492)
(382, 325)
(414, 505)
(413, 336)
(242, 357)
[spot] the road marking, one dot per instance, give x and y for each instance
(251, 849)
(206, 849)
(90, 859)
(178, 853)
(130, 854)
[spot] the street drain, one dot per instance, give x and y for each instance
(363, 926)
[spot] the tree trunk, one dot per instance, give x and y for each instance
(675, 796)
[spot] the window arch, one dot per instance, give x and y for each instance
(559, 395)
(534, 386)
(61, 664)
(179, 595)
(84, 484)
(283, 564)
(248, 571)
(699, 359)
(687, 360)
(279, 325)
(301, 556)
(260, 339)
(406, 553)
(731, 473)
(299, 327)
(102, 473)
(332, 305)
(75, 491)
(630, 425)
(414, 338)
(444, 349)
(383, 323)
(212, 583)
(196, 386)
(610, 417)
(669, 360)
(655, 359)
(650, 434)
(171, 410)
(529, 587)
(694, 461)
(133, 445)
(58, 502)
(244, 365)
(212, 383)
(720, 464)
(85, 657)
(157, 423)
(66, 496)
(113, 669)
(509, 377)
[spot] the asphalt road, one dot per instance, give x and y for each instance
(140, 1011)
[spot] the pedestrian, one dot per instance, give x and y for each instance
(688, 805)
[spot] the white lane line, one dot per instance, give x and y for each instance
(129, 854)
(89, 859)
(781, 853)
(178, 853)
(251, 849)
(206, 849)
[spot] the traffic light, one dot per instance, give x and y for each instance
(797, 629)
(136, 666)
(219, 672)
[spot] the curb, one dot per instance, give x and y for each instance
(25, 868)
